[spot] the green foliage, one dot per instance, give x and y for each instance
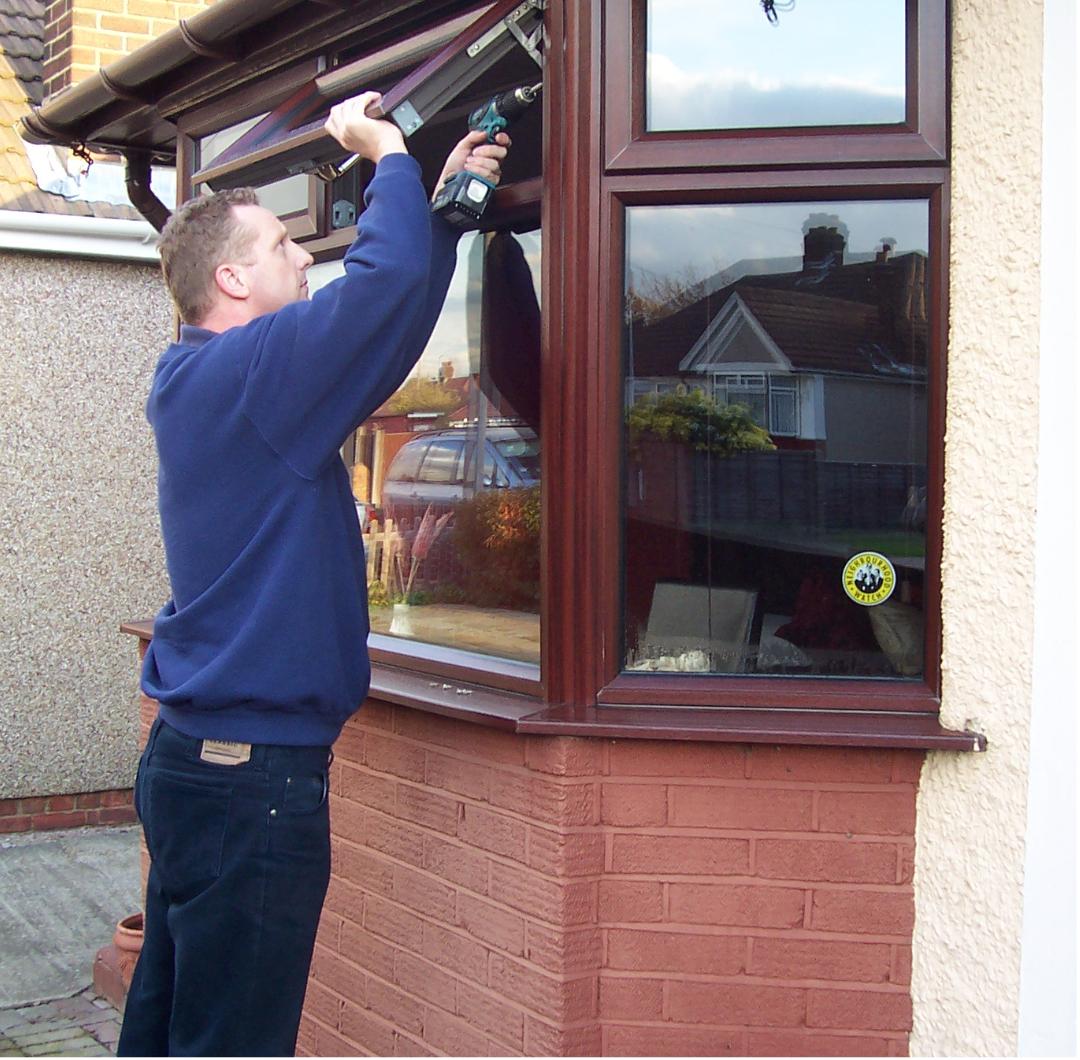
(380, 596)
(696, 420)
(422, 395)
(497, 535)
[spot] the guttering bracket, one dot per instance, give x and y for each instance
(121, 91)
(220, 52)
(137, 166)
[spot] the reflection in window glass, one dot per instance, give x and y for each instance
(214, 144)
(713, 65)
(283, 197)
(448, 469)
(775, 443)
(287, 196)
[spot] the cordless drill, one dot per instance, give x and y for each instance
(462, 199)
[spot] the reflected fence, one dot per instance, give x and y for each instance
(673, 485)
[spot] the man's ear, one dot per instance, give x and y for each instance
(231, 281)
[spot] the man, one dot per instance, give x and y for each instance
(259, 657)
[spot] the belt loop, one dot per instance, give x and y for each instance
(151, 739)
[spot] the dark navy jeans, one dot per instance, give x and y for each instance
(240, 866)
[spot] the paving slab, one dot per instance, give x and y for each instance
(61, 894)
(82, 1025)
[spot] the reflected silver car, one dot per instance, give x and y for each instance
(441, 468)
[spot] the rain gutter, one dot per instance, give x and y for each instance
(84, 237)
(65, 118)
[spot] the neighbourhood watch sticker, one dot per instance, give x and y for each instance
(869, 578)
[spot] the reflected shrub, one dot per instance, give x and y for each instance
(497, 538)
(696, 420)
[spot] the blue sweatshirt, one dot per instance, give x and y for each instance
(264, 639)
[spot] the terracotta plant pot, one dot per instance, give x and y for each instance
(128, 940)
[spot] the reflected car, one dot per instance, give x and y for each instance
(441, 468)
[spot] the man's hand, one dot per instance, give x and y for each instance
(475, 154)
(371, 138)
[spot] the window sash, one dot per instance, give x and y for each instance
(291, 138)
(621, 688)
(628, 147)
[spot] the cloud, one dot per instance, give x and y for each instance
(726, 98)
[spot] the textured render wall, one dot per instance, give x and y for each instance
(495, 894)
(971, 808)
(79, 542)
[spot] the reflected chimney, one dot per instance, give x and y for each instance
(823, 245)
(446, 371)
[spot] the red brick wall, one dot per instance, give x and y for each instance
(41, 813)
(756, 900)
(496, 894)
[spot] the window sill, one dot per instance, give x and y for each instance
(902, 730)
(809, 728)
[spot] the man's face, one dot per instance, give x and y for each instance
(274, 267)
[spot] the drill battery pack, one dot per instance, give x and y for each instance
(462, 199)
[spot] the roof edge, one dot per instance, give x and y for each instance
(57, 119)
(114, 239)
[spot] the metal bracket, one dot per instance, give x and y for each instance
(510, 24)
(530, 42)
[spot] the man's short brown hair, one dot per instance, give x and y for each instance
(200, 236)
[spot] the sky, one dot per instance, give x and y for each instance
(699, 241)
(720, 64)
(451, 340)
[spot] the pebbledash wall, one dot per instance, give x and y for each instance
(83, 318)
(971, 810)
(77, 512)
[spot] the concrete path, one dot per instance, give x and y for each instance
(61, 894)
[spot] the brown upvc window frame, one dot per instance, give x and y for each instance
(620, 688)
(920, 138)
(766, 165)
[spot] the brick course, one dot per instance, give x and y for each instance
(83, 35)
(42, 813)
(496, 894)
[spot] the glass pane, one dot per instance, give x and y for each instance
(776, 433)
(442, 463)
(214, 144)
(453, 544)
(287, 196)
(713, 65)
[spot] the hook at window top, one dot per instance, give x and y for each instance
(770, 9)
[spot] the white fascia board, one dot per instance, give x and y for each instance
(114, 239)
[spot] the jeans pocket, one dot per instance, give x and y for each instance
(305, 793)
(185, 823)
(135, 792)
